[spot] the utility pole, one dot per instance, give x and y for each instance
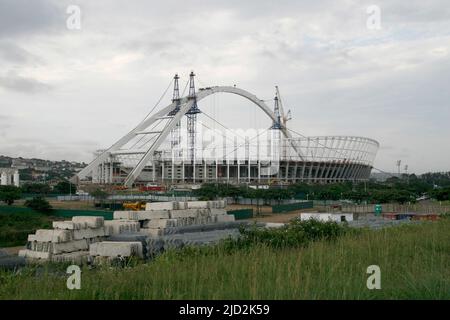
(406, 173)
(399, 163)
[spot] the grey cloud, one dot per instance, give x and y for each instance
(18, 83)
(13, 53)
(23, 17)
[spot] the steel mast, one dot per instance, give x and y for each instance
(192, 120)
(175, 133)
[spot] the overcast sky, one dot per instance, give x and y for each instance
(67, 92)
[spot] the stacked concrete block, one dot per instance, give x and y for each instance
(154, 214)
(115, 249)
(152, 206)
(182, 205)
(126, 215)
(54, 236)
(121, 226)
(68, 242)
(90, 222)
(187, 213)
(68, 225)
(218, 211)
(77, 257)
(218, 204)
(89, 233)
(160, 215)
(197, 204)
(86, 238)
(160, 223)
(224, 218)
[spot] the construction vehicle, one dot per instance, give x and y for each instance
(151, 187)
(134, 206)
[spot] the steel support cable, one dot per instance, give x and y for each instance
(217, 130)
(233, 140)
(159, 101)
(221, 124)
(153, 109)
(248, 141)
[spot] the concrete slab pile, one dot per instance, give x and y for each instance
(163, 225)
(116, 249)
(68, 242)
(161, 215)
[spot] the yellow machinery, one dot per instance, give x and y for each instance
(134, 206)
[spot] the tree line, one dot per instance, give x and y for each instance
(408, 188)
(8, 194)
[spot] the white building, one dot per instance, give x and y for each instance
(9, 177)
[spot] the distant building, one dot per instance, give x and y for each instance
(20, 164)
(9, 177)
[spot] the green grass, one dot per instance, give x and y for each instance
(15, 227)
(414, 262)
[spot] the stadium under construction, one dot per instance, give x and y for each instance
(174, 146)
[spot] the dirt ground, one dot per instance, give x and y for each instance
(72, 204)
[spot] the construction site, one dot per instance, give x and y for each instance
(181, 144)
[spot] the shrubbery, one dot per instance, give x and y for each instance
(39, 204)
(295, 234)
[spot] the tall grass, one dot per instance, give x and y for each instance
(414, 262)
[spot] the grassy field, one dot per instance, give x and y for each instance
(414, 262)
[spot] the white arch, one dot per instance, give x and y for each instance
(186, 104)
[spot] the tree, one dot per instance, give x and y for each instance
(9, 194)
(65, 187)
(39, 204)
(37, 188)
(99, 194)
(441, 194)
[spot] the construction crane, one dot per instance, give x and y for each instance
(284, 117)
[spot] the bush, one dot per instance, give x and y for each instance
(296, 234)
(38, 188)
(65, 187)
(39, 204)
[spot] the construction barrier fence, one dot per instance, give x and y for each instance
(281, 208)
(241, 213)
